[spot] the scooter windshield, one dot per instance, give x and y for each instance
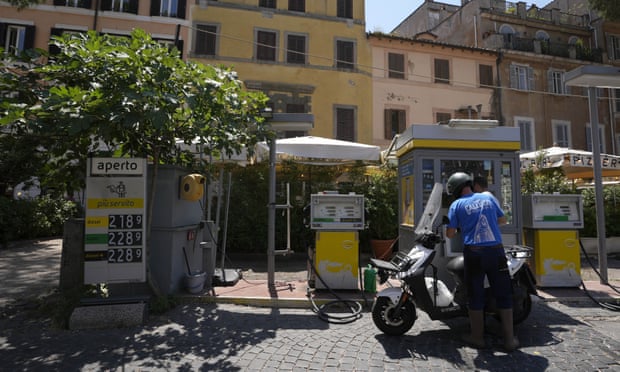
(431, 211)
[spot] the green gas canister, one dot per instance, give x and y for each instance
(370, 279)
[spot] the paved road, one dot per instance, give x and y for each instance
(201, 337)
(194, 337)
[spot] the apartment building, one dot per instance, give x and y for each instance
(419, 81)
(536, 47)
(166, 20)
(307, 56)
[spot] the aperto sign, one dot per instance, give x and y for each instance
(115, 228)
(118, 166)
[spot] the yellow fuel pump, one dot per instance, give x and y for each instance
(336, 218)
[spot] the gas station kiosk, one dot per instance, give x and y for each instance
(337, 219)
(430, 153)
(550, 224)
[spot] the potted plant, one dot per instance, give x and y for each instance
(382, 210)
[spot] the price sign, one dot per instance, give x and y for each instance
(115, 241)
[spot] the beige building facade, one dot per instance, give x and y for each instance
(427, 82)
(537, 47)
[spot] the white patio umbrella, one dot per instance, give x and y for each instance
(323, 151)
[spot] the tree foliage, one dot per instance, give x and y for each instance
(610, 9)
(132, 96)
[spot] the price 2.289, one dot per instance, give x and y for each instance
(124, 238)
(124, 255)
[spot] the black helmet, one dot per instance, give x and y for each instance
(456, 182)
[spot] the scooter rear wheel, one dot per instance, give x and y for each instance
(384, 319)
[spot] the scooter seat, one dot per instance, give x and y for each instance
(385, 265)
(456, 265)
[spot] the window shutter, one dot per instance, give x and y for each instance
(181, 11)
(513, 77)
(550, 81)
(155, 8)
(610, 47)
(402, 121)
(387, 125)
(106, 5)
(29, 39)
(530, 78)
(53, 49)
(2, 34)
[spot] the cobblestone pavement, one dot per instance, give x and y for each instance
(197, 337)
(558, 336)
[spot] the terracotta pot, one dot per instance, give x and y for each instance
(382, 249)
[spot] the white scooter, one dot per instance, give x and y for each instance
(394, 309)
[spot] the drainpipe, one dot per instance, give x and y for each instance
(498, 89)
(96, 15)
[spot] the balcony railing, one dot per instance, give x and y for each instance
(574, 51)
(518, 9)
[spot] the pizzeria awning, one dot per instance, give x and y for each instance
(574, 163)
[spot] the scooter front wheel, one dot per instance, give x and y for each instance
(384, 318)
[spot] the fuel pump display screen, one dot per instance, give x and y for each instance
(553, 211)
(337, 212)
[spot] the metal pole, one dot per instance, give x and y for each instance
(598, 184)
(271, 215)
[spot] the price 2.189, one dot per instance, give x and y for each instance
(124, 221)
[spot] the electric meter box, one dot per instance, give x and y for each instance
(553, 211)
(331, 211)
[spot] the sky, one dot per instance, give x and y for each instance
(384, 15)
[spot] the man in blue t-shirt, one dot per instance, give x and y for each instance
(478, 217)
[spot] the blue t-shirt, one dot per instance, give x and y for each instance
(476, 215)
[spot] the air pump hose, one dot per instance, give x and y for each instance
(604, 305)
(354, 307)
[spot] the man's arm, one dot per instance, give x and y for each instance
(450, 232)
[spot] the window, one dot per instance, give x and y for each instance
(267, 3)
(296, 49)
(617, 99)
(526, 126)
(433, 18)
(345, 9)
(601, 138)
(613, 47)
(442, 71)
(124, 6)
(396, 65)
(74, 3)
(394, 123)
(555, 80)
(345, 124)
(521, 77)
(205, 40)
(485, 73)
(53, 49)
(561, 133)
(442, 117)
(16, 38)
(297, 5)
(266, 45)
(509, 35)
(345, 54)
(168, 8)
(295, 108)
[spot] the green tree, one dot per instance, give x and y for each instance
(610, 9)
(129, 96)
